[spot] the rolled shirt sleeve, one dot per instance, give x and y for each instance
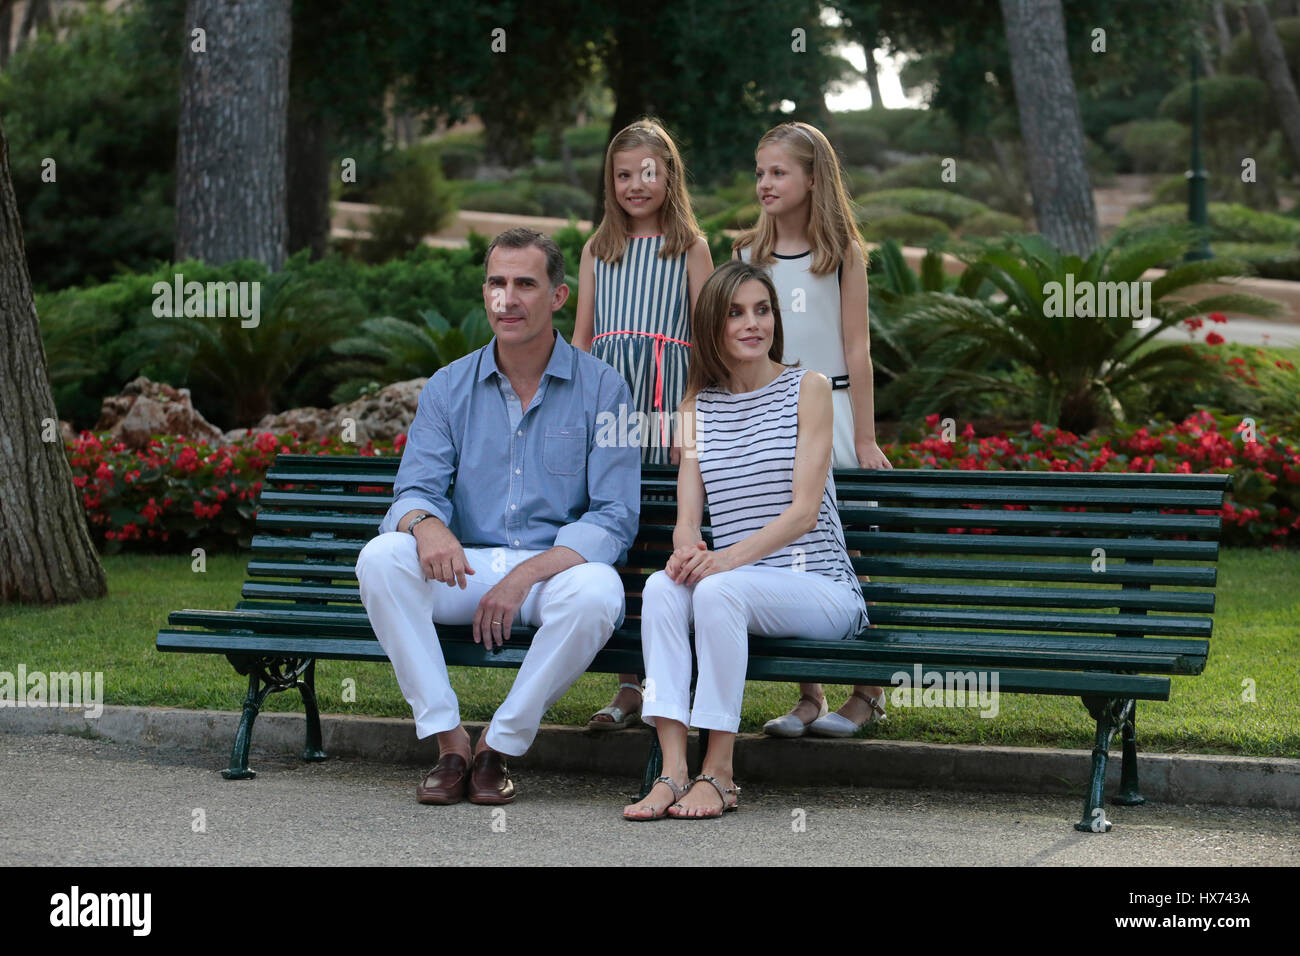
(429, 461)
(608, 528)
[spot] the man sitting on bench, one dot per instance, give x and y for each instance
(538, 515)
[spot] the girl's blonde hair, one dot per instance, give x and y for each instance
(708, 364)
(831, 225)
(680, 228)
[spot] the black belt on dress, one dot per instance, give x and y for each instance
(838, 382)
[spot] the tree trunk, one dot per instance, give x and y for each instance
(1272, 63)
(1222, 29)
(46, 555)
(1050, 124)
(36, 14)
(308, 181)
(230, 158)
(6, 29)
(873, 82)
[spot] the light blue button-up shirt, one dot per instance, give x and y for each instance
(529, 479)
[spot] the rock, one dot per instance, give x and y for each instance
(380, 417)
(146, 408)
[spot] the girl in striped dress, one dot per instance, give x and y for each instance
(640, 275)
(808, 241)
(757, 440)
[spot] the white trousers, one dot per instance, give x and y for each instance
(574, 611)
(725, 607)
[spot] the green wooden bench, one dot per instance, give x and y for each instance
(1052, 600)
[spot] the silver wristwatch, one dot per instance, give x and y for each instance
(418, 518)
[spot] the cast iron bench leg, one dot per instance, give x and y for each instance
(307, 687)
(1110, 714)
(1129, 795)
(244, 735)
(265, 676)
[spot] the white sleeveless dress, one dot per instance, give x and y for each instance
(813, 338)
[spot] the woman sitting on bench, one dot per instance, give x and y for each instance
(757, 442)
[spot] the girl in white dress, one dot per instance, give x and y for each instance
(807, 239)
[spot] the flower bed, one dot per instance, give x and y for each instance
(178, 493)
(1262, 508)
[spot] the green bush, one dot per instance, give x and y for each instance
(1244, 58)
(562, 201)
(907, 228)
(461, 154)
(991, 223)
(932, 132)
(414, 203)
(859, 145)
(1229, 222)
(708, 204)
(1151, 146)
(949, 207)
(101, 101)
(1230, 100)
(858, 179)
(505, 199)
(586, 170)
(1169, 191)
(1271, 260)
(741, 216)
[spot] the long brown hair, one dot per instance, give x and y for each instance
(678, 218)
(831, 225)
(708, 366)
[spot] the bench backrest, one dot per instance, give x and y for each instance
(1055, 553)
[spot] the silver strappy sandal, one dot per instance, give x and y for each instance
(661, 812)
(727, 805)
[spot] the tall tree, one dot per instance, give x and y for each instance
(1050, 124)
(46, 555)
(1277, 74)
(230, 156)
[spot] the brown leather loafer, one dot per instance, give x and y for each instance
(489, 780)
(446, 782)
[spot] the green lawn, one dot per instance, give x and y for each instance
(1256, 639)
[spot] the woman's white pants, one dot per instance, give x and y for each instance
(724, 608)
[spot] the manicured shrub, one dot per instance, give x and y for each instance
(949, 207)
(907, 228)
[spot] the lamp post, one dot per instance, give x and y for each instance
(1197, 213)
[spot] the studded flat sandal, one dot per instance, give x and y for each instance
(661, 812)
(728, 804)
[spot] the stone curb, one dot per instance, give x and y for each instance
(1272, 782)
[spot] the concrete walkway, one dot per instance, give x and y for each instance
(73, 801)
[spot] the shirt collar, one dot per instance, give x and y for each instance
(560, 365)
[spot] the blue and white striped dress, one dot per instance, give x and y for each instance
(642, 327)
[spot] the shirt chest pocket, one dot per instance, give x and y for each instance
(564, 450)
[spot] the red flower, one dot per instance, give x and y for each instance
(103, 472)
(1218, 317)
(1214, 338)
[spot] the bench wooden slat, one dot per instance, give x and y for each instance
(1029, 520)
(852, 478)
(614, 658)
(1035, 571)
(881, 542)
(1109, 497)
(1056, 621)
(1097, 597)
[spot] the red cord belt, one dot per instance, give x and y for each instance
(659, 364)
